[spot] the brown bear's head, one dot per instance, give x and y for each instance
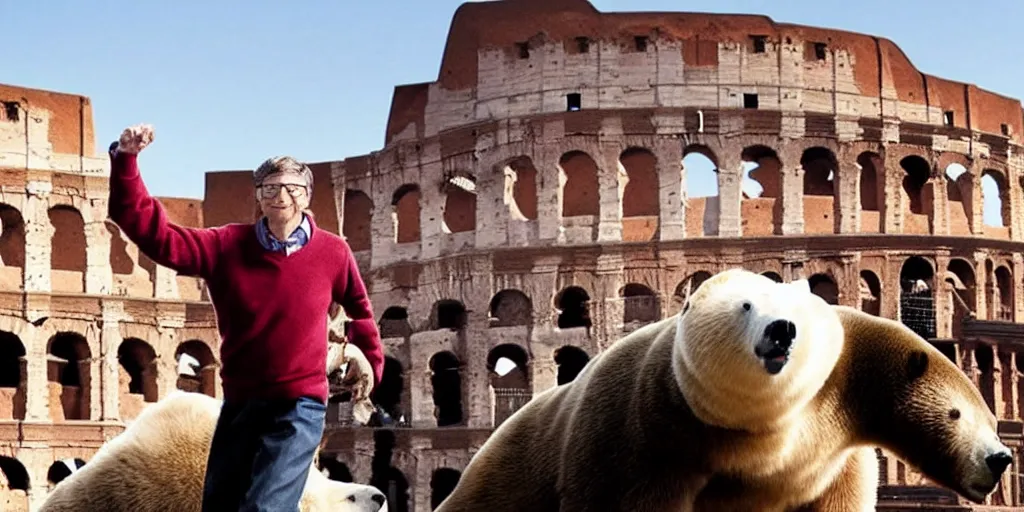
(913, 401)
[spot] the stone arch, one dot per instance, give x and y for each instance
(388, 394)
(820, 204)
(825, 287)
(139, 374)
(12, 377)
(509, 308)
(12, 237)
(872, 191)
(405, 213)
(570, 361)
(1005, 291)
(581, 186)
(442, 483)
(762, 164)
(459, 214)
(916, 173)
(871, 167)
(521, 188)
(396, 488)
(573, 306)
(68, 371)
(61, 469)
(700, 167)
(509, 367)
(962, 287)
(959, 195)
(984, 357)
(774, 276)
(197, 367)
(917, 302)
(446, 383)
(641, 197)
(640, 304)
(870, 293)
(69, 237)
(995, 191)
(394, 323)
(448, 314)
(687, 286)
(16, 474)
(357, 220)
(121, 262)
(334, 469)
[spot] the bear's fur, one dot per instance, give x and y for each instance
(721, 408)
(159, 462)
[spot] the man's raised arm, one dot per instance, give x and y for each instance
(187, 251)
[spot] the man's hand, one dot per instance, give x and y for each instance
(135, 138)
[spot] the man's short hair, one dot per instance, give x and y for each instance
(282, 165)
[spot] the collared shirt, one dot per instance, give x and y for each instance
(296, 241)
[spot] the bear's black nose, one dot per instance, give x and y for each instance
(997, 463)
(781, 333)
(378, 498)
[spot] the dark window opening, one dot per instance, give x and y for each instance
(12, 110)
(819, 50)
(1005, 129)
(749, 101)
(759, 43)
(524, 50)
(641, 43)
(583, 44)
(948, 117)
(573, 101)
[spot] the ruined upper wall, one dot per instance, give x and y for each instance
(521, 57)
(49, 131)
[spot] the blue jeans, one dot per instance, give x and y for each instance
(261, 454)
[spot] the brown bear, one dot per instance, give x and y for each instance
(757, 396)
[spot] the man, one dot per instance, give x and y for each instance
(271, 284)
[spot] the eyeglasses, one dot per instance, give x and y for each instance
(272, 190)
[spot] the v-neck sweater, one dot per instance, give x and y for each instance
(271, 307)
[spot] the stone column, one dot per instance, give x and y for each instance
(671, 189)
(38, 236)
(792, 174)
(37, 408)
(847, 194)
(730, 177)
(895, 200)
(611, 180)
(110, 340)
(99, 277)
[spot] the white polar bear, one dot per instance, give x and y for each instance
(158, 464)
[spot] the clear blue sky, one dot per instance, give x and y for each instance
(228, 83)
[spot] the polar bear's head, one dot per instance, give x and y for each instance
(750, 351)
(325, 495)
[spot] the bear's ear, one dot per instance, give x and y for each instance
(917, 365)
(801, 285)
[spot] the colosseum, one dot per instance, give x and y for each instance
(569, 176)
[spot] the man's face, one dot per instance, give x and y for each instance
(282, 196)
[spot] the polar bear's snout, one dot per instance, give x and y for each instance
(366, 499)
(998, 462)
(776, 344)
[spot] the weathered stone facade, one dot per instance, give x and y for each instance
(89, 331)
(536, 203)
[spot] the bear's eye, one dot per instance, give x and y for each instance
(746, 306)
(954, 414)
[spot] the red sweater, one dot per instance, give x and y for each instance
(271, 308)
